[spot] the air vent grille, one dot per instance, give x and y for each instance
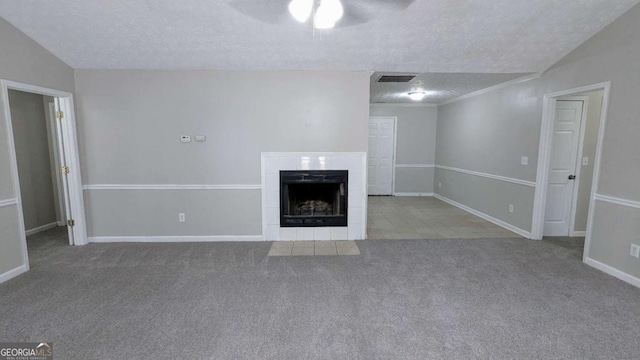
(396, 78)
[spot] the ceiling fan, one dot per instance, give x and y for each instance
(324, 14)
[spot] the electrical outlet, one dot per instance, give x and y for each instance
(182, 217)
(185, 139)
(201, 138)
(439, 184)
(511, 208)
(635, 251)
(524, 160)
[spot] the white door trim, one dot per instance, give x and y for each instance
(74, 178)
(395, 138)
(544, 158)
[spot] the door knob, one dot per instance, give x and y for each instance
(572, 177)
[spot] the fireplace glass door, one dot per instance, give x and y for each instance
(313, 198)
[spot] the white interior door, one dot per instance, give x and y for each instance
(564, 157)
(63, 161)
(380, 158)
(58, 191)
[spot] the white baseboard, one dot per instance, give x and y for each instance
(42, 228)
(482, 215)
(629, 279)
(579, 234)
(13, 273)
(411, 194)
(173, 239)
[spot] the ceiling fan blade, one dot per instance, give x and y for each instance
(354, 14)
(362, 11)
(381, 5)
(272, 11)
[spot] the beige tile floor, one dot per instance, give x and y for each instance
(391, 217)
(313, 248)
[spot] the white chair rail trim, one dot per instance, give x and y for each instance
(418, 166)
(618, 201)
(488, 176)
(8, 202)
(171, 187)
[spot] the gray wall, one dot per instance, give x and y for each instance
(131, 121)
(23, 60)
(34, 163)
(415, 144)
(490, 132)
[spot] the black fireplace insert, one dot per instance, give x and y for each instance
(313, 198)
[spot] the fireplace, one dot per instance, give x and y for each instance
(313, 198)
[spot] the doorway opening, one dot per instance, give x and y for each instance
(568, 162)
(44, 164)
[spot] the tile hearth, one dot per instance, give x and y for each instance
(313, 248)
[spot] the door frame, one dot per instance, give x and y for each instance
(74, 179)
(544, 157)
(393, 165)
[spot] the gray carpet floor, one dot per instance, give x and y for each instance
(412, 299)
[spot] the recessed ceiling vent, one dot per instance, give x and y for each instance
(396, 78)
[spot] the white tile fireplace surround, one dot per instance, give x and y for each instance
(354, 162)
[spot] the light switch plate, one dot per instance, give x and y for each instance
(524, 160)
(585, 161)
(185, 139)
(635, 251)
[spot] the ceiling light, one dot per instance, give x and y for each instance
(301, 9)
(417, 95)
(322, 20)
(326, 14)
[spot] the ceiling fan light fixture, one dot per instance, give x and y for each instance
(322, 21)
(301, 9)
(417, 95)
(332, 10)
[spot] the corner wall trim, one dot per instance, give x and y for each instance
(171, 187)
(579, 234)
(42, 228)
(8, 202)
(419, 166)
(403, 194)
(173, 239)
(13, 273)
(618, 201)
(488, 176)
(482, 215)
(629, 279)
(492, 88)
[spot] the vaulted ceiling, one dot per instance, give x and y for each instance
(422, 36)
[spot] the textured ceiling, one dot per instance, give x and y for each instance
(439, 86)
(452, 36)
(458, 46)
